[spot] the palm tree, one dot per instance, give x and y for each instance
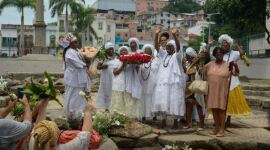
(20, 5)
(58, 7)
(83, 18)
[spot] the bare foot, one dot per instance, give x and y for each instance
(213, 132)
(220, 134)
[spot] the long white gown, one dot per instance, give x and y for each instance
(76, 79)
(147, 75)
(169, 92)
(105, 86)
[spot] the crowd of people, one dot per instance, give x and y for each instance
(142, 91)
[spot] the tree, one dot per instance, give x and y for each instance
(182, 6)
(58, 7)
(20, 5)
(84, 18)
(240, 17)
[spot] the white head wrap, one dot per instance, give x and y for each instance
(191, 52)
(134, 40)
(202, 47)
(172, 42)
(149, 46)
(123, 47)
(227, 38)
(66, 39)
(109, 45)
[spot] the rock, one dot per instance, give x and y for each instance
(155, 147)
(14, 89)
(193, 140)
(131, 130)
(244, 79)
(145, 141)
(13, 82)
(4, 101)
(59, 81)
(181, 131)
(108, 144)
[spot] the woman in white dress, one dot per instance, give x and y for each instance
(118, 102)
(75, 74)
(169, 96)
(133, 85)
(147, 74)
(105, 86)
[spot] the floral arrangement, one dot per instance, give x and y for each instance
(101, 54)
(3, 84)
(103, 121)
(136, 58)
(85, 95)
(35, 92)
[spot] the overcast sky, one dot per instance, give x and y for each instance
(12, 16)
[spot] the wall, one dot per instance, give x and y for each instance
(259, 69)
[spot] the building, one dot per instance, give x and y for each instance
(61, 21)
(120, 6)
(200, 2)
(105, 28)
(51, 32)
(154, 6)
(10, 39)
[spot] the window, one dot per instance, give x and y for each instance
(161, 14)
(52, 40)
(108, 28)
(168, 15)
(174, 24)
(61, 26)
(161, 21)
(100, 26)
(9, 41)
(126, 34)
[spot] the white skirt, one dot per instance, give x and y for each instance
(147, 105)
(73, 101)
(170, 99)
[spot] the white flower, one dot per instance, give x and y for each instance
(45, 81)
(82, 94)
(13, 96)
(117, 123)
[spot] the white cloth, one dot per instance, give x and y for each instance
(81, 142)
(105, 86)
(229, 57)
(191, 52)
(227, 38)
(147, 75)
(76, 80)
(66, 39)
(109, 45)
(118, 80)
(168, 95)
(133, 39)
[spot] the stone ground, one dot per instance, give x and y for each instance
(242, 135)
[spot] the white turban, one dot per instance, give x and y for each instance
(191, 52)
(227, 38)
(66, 39)
(151, 47)
(123, 47)
(109, 45)
(172, 42)
(133, 40)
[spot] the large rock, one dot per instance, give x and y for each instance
(108, 144)
(133, 130)
(145, 141)
(13, 82)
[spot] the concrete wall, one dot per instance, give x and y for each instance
(259, 69)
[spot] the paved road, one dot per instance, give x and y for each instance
(31, 64)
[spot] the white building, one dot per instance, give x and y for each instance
(105, 29)
(198, 28)
(51, 32)
(163, 19)
(61, 21)
(8, 39)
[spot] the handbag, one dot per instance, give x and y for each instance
(199, 86)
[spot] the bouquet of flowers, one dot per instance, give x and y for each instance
(136, 58)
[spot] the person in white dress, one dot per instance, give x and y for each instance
(147, 74)
(132, 84)
(169, 96)
(118, 102)
(76, 76)
(105, 86)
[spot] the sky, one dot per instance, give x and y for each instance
(12, 16)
